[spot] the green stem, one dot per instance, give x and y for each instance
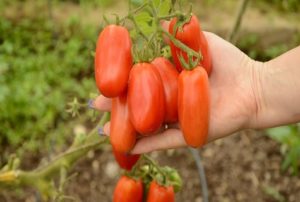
(138, 9)
(238, 20)
(169, 17)
(38, 178)
(181, 45)
(153, 163)
(94, 133)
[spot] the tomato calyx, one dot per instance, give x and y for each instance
(164, 176)
(181, 21)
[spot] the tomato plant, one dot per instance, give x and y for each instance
(113, 60)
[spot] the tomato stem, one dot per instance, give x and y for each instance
(153, 163)
(192, 55)
(138, 9)
(169, 17)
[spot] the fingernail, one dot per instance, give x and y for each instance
(101, 131)
(91, 104)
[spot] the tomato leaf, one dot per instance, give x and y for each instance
(144, 22)
(162, 6)
(156, 3)
(165, 7)
(143, 17)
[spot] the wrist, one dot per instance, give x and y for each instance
(258, 70)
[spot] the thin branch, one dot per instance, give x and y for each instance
(201, 173)
(38, 178)
(238, 20)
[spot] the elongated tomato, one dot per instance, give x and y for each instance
(113, 60)
(192, 36)
(159, 193)
(194, 105)
(122, 133)
(146, 98)
(169, 76)
(125, 161)
(128, 190)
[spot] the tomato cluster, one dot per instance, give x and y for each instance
(132, 190)
(147, 95)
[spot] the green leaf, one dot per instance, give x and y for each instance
(286, 162)
(144, 22)
(143, 17)
(156, 3)
(165, 7)
(280, 134)
(274, 193)
(162, 6)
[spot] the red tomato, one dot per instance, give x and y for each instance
(192, 36)
(122, 133)
(125, 161)
(158, 193)
(194, 105)
(146, 98)
(169, 76)
(128, 190)
(113, 60)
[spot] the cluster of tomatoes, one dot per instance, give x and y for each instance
(146, 95)
(156, 193)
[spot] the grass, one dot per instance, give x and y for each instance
(42, 66)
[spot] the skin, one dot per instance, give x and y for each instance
(245, 94)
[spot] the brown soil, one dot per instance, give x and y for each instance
(242, 167)
(238, 168)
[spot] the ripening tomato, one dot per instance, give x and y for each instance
(128, 190)
(159, 193)
(113, 60)
(122, 133)
(194, 105)
(125, 161)
(146, 98)
(169, 76)
(192, 36)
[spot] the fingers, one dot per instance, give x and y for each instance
(102, 103)
(171, 138)
(168, 139)
(106, 129)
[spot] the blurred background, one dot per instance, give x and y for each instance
(46, 67)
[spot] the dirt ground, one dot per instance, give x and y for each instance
(243, 167)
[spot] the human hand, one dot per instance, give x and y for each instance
(232, 92)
